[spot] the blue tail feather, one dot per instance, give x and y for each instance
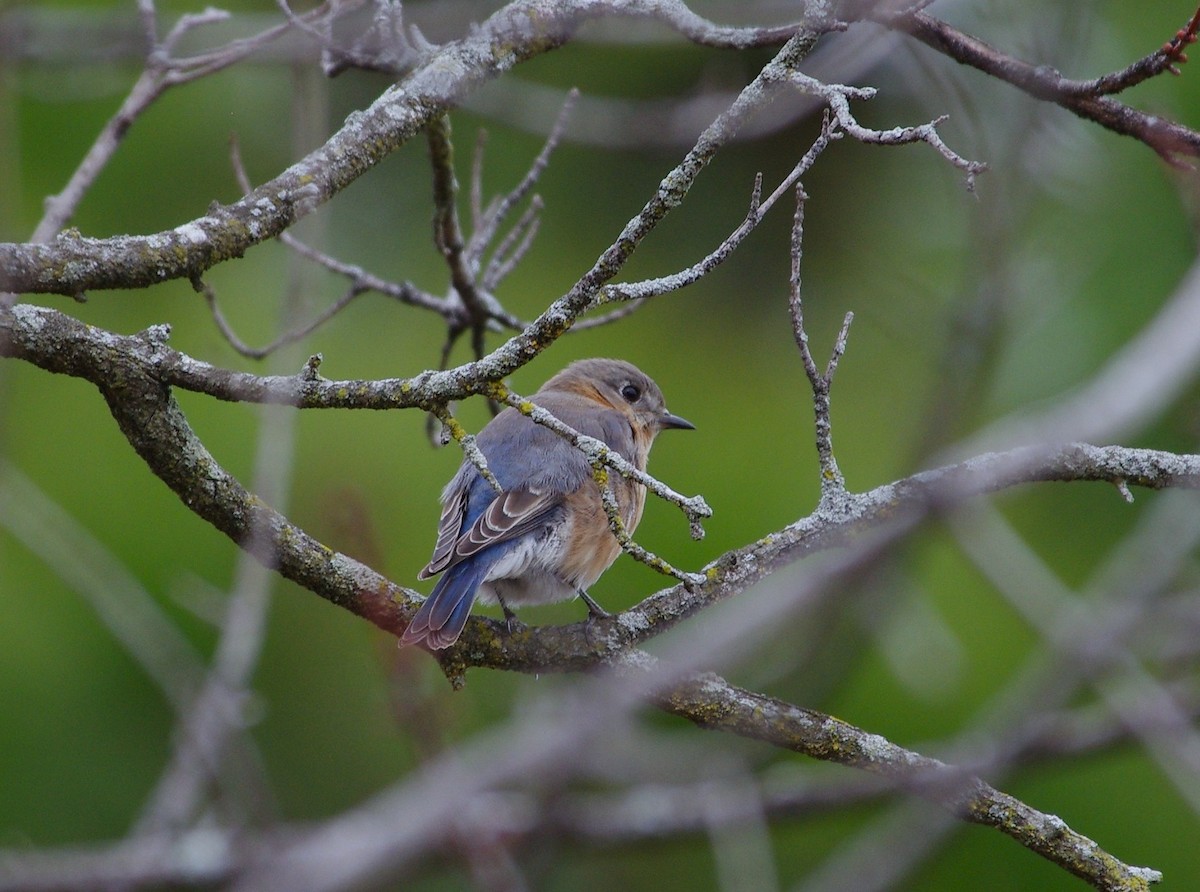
(440, 620)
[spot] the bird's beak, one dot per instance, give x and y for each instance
(667, 420)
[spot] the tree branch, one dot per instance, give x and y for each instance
(1085, 98)
(712, 703)
(158, 431)
(134, 374)
(72, 265)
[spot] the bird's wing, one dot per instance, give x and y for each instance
(506, 517)
(536, 467)
(449, 526)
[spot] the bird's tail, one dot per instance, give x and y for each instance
(440, 620)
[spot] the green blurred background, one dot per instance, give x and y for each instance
(1082, 233)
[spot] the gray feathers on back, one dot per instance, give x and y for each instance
(561, 467)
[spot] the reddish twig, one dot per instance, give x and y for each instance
(1173, 48)
(1168, 57)
(1087, 99)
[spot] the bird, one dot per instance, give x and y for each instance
(545, 537)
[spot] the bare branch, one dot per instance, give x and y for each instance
(511, 250)
(1170, 140)
(1165, 58)
(487, 223)
(838, 96)
(361, 281)
(968, 798)
(833, 484)
(288, 337)
(634, 293)
(448, 236)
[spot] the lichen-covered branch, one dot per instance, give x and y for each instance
(711, 702)
(833, 485)
(73, 265)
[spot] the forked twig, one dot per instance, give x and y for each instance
(633, 294)
(832, 482)
(838, 97)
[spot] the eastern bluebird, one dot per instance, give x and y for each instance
(546, 537)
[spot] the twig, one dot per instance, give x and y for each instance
(638, 552)
(1173, 49)
(481, 139)
(513, 247)
(832, 482)
(634, 293)
(469, 447)
(190, 68)
(677, 15)
(838, 97)
(361, 282)
(283, 340)
(1165, 58)
(599, 455)
(448, 236)
(483, 234)
(1169, 139)
(404, 292)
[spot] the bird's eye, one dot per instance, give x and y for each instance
(631, 392)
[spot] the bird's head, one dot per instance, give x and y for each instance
(622, 386)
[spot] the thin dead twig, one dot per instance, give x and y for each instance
(832, 482)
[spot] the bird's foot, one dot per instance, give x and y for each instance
(596, 611)
(510, 618)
